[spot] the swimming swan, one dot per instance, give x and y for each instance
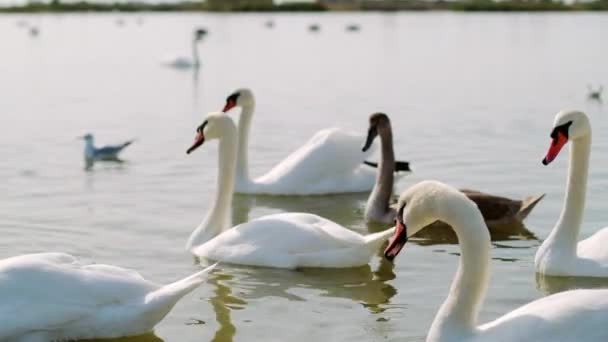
(51, 297)
(496, 210)
(330, 162)
(578, 315)
(287, 240)
(561, 254)
(186, 62)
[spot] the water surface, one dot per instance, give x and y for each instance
(471, 97)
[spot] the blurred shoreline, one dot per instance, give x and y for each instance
(56, 6)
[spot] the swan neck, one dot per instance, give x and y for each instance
(569, 224)
(458, 314)
(218, 218)
(380, 197)
(195, 56)
(242, 165)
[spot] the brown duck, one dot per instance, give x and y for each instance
(498, 212)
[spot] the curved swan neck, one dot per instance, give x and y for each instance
(218, 218)
(195, 57)
(458, 314)
(242, 164)
(380, 197)
(569, 224)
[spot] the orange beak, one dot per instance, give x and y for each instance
(198, 141)
(556, 145)
(397, 241)
(229, 105)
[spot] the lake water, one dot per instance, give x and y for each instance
(471, 97)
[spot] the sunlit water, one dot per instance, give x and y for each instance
(471, 97)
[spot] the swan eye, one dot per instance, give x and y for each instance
(563, 129)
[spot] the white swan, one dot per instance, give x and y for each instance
(579, 315)
(561, 254)
(50, 296)
(189, 62)
(288, 240)
(330, 162)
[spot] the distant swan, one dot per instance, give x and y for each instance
(561, 254)
(288, 240)
(495, 210)
(189, 62)
(53, 297)
(330, 162)
(579, 315)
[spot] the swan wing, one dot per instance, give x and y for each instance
(281, 240)
(568, 316)
(594, 248)
(49, 290)
(330, 158)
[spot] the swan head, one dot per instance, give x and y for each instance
(421, 205)
(199, 34)
(215, 126)
(378, 122)
(568, 125)
(240, 98)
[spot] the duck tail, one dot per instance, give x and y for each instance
(527, 205)
(375, 240)
(161, 301)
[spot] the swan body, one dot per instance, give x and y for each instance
(193, 62)
(287, 240)
(496, 210)
(292, 240)
(51, 296)
(330, 162)
(579, 315)
(561, 254)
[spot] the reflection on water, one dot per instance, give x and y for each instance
(115, 163)
(441, 233)
(222, 303)
(149, 337)
(552, 284)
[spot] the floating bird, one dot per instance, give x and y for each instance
(595, 94)
(499, 213)
(56, 297)
(34, 31)
(314, 27)
(187, 62)
(353, 27)
(269, 24)
(106, 153)
(562, 254)
(330, 162)
(576, 315)
(285, 240)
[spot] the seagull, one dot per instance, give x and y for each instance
(106, 153)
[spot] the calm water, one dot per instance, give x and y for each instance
(471, 98)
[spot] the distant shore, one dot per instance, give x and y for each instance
(57, 6)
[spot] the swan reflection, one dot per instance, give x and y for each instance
(552, 284)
